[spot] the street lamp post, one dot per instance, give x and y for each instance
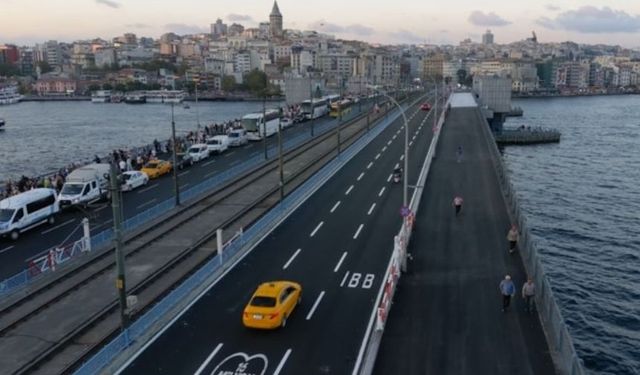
(176, 187)
(117, 231)
(312, 110)
(280, 162)
(197, 112)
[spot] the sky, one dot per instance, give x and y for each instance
(25, 22)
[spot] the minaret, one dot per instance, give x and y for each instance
(275, 21)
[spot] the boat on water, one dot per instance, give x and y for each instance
(1, 123)
(101, 96)
(165, 96)
(135, 98)
(9, 95)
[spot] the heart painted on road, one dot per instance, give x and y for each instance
(242, 364)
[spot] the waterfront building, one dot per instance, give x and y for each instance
(49, 85)
(275, 21)
(105, 57)
(26, 61)
(9, 54)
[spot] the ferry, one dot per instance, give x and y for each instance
(135, 98)
(101, 96)
(165, 96)
(9, 95)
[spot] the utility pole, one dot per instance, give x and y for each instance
(117, 230)
(176, 187)
(280, 162)
(311, 102)
(339, 103)
(196, 80)
(264, 123)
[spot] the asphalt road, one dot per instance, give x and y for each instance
(15, 255)
(337, 245)
(446, 317)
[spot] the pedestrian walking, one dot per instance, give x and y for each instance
(457, 203)
(528, 294)
(512, 236)
(508, 290)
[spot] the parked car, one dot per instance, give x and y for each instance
(156, 168)
(85, 185)
(133, 179)
(27, 210)
(272, 304)
(184, 160)
(218, 144)
(198, 152)
(238, 137)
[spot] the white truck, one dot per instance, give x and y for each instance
(85, 185)
(218, 144)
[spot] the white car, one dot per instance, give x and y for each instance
(286, 122)
(198, 152)
(218, 144)
(133, 179)
(237, 137)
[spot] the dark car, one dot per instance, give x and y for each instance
(184, 160)
(425, 107)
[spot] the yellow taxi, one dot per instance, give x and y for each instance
(271, 304)
(156, 168)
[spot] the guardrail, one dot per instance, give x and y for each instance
(558, 337)
(19, 280)
(232, 252)
(369, 350)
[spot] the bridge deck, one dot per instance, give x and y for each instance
(447, 316)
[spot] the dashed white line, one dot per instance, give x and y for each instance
(335, 206)
(389, 143)
(58, 226)
(381, 191)
(390, 177)
(361, 175)
(411, 143)
(148, 188)
(317, 228)
(370, 165)
(402, 157)
(282, 362)
(208, 163)
(397, 165)
(349, 190)
(384, 149)
(344, 279)
(184, 186)
(355, 236)
(184, 173)
(211, 173)
(209, 358)
(147, 203)
(7, 249)
(286, 265)
(344, 255)
(377, 156)
(394, 137)
(229, 154)
(315, 305)
(371, 209)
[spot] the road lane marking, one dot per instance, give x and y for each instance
(229, 154)
(282, 362)
(361, 175)
(184, 173)
(371, 209)
(211, 173)
(102, 207)
(384, 149)
(381, 191)
(148, 203)
(389, 143)
(402, 157)
(7, 249)
(397, 165)
(209, 358)
(315, 305)
(411, 143)
(208, 163)
(286, 265)
(370, 165)
(148, 188)
(349, 190)
(335, 206)
(184, 186)
(355, 236)
(246, 147)
(344, 255)
(394, 137)
(317, 228)
(378, 156)
(390, 177)
(58, 226)
(344, 279)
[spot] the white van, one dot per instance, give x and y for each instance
(198, 152)
(27, 210)
(218, 144)
(237, 137)
(85, 185)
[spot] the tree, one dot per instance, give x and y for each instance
(121, 87)
(107, 86)
(228, 83)
(44, 67)
(8, 70)
(256, 82)
(94, 87)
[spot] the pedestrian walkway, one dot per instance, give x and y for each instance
(446, 317)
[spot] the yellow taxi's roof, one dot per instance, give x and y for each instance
(271, 288)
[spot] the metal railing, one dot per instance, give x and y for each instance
(232, 251)
(558, 337)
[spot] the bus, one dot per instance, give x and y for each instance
(254, 124)
(315, 109)
(340, 108)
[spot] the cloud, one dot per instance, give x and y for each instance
(109, 3)
(404, 36)
(233, 17)
(552, 7)
(184, 29)
(593, 20)
(328, 27)
(480, 18)
(137, 26)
